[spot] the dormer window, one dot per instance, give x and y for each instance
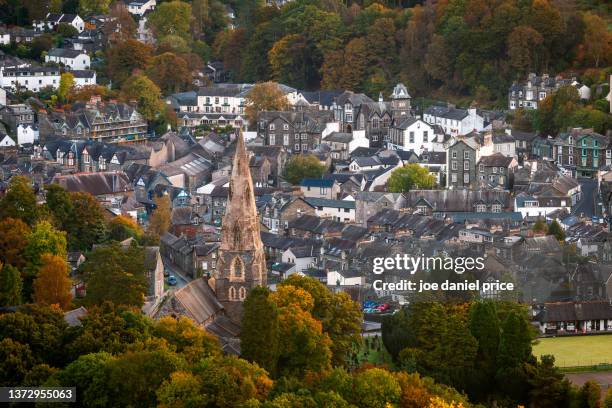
(272, 127)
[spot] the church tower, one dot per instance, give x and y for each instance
(242, 263)
(400, 101)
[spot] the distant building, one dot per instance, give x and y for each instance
(69, 58)
(140, 7)
(52, 20)
(29, 78)
(454, 121)
(529, 94)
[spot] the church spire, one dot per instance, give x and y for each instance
(240, 228)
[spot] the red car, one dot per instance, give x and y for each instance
(383, 307)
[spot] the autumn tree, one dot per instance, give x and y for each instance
(288, 60)
(120, 26)
(265, 96)
(123, 227)
(115, 274)
(141, 89)
(10, 286)
(170, 18)
(589, 395)
(52, 284)
(597, 40)
(13, 240)
(259, 334)
(19, 201)
(189, 340)
(170, 73)
(411, 176)
(182, 389)
(66, 84)
(126, 57)
(375, 388)
(524, 49)
(161, 216)
(300, 167)
(44, 239)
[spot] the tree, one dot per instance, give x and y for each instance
(265, 96)
(485, 327)
(120, 26)
(59, 202)
(597, 40)
(190, 341)
(410, 176)
(122, 227)
(161, 217)
(52, 285)
(375, 388)
(66, 84)
(10, 286)
(148, 95)
(540, 227)
(93, 6)
(169, 18)
(555, 229)
(115, 274)
(288, 60)
(44, 239)
(13, 240)
(19, 201)
(300, 167)
(87, 374)
(15, 361)
(608, 400)
(259, 334)
(547, 383)
(87, 226)
(182, 389)
(590, 395)
(40, 44)
(524, 49)
(595, 119)
(66, 30)
(170, 73)
(356, 62)
(126, 57)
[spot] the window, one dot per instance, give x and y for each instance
(570, 160)
(242, 293)
(454, 165)
(609, 153)
(322, 190)
(297, 147)
(466, 178)
(411, 140)
(286, 139)
(86, 158)
(481, 208)
(304, 147)
(454, 177)
(375, 123)
(466, 155)
(232, 293)
(496, 208)
(102, 163)
(425, 137)
(454, 154)
(297, 136)
(494, 169)
(481, 168)
(285, 126)
(216, 99)
(304, 136)
(271, 126)
(272, 139)
(466, 165)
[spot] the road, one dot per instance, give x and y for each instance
(586, 205)
(170, 269)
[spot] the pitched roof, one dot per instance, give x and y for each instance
(311, 182)
(99, 183)
(199, 300)
(324, 202)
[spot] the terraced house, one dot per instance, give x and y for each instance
(298, 132)
(582, 151)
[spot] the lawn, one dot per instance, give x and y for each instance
(371, 351)
(576, 350)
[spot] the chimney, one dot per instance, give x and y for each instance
(380, 97)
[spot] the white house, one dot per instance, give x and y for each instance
(26, 133)
(416, 135)
(337, 210)
(72, 59)
(139, 7)
(303, 257)
(347, 277)
(52, 20)
(5, 37)
(454, 121)
(84, 77)
(6, 141)
(530, 206)
(30, 78)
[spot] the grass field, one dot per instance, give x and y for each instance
(576, 350)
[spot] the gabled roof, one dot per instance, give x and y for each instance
(324, 202)
(311, 182)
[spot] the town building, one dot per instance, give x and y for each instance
(529, 94)
(69, 58)
(454, 121)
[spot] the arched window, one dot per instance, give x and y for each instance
(242, 293)
(237, 270)
(232, 293)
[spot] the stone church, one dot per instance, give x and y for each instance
(215, 302)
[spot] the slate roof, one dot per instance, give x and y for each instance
(64, 53)
(495, 160)
(446, 112)
(99, 183)
(199, 300)
(311, 182)
(339, 137)
(324, 202)
(457, 200)
(574, 311)
(73, 317)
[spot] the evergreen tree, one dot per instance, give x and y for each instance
(555, 229)
(485, 327)
(10, 286)
(548, 385)
(259, 336)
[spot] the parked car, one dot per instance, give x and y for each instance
(369, 304)
(172, 280)
(383, 307)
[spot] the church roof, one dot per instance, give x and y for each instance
(199, 300)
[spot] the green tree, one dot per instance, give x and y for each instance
(87, 374)
(187, 339)
(93, 6)
(170, 18)
(141, 89)
(66, 30)
(540, 227)
(590, 395)
(548, 385)
(115, 274)
(15, 362)
(410, 177)
(259, 334)
(10, 286)
(375, 388)
(608, 400)
(65, 87)
(588, 117)
(485, 327)
(44, 239)
(87, 226)
(182, 389)
(300, 167)
(19, 201)
(123, 227)
(555, 229)
(59, 202)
